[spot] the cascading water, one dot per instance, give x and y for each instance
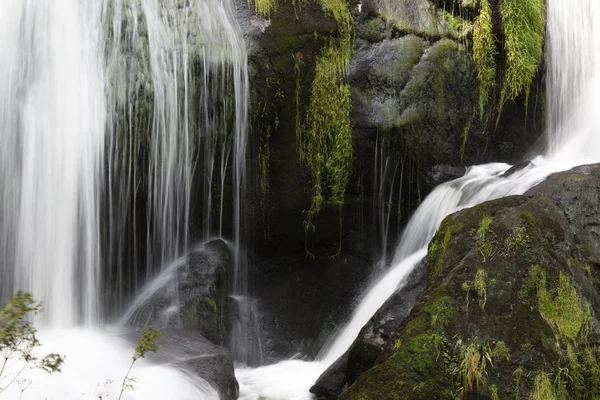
(52, 116)
(573, 87)
(119, 111)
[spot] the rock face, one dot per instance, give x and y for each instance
(203, 283)
(302, 303)
(414, 95)
(511, 303)
(371, 340)
(198, 356)
(202, 280)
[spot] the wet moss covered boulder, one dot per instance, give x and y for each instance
(510, 305)
(191, 293)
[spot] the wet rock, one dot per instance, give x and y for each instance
(514, 280)
(198, 356)
(369, 345)
(191, 293)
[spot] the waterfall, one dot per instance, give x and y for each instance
(52, 118)
(573, 120)
(178, 93)
(123, 130)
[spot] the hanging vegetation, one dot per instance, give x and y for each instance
(484, 50)
(523, 24)
(325, 143)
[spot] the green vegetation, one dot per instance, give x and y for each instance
(486, 240)
(263, 8)
(439, 245)
(543, 388)
(559, 306)
(484, 51)
(18, 340)
(325, 144)
(523, 24)
(146, 344)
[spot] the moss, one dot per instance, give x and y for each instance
(460, 26)
(326, 142)
(263, 8)
(439, 245)
(484, 51)
(501, 352)
(494, 392)
(560, 307)
(543, 388)
(523, 25)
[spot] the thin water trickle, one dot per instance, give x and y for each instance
(573, 110)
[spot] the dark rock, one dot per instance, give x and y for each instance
(443, 173)
(197, 355)
(529, 285)
(517, 167)
(200, 296)
(333, 381)
(302, 301)
(372, 338)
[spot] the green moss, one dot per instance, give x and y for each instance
(263, 8)
(523, 24)
(494, 392)
(460, 26)
(326, 142)
(518, 238)
(560, 306)
(439, 245)
(543, 388)
(484, 51)
(501, 352)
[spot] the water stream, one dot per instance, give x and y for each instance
(119, 111)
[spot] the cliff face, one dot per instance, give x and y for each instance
(415, 111)
(415, 122)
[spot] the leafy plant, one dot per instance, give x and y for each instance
(18, 341)
(147, 344)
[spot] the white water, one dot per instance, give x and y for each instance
(573, 110)
(74, 75)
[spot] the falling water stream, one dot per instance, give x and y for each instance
(108, 108)
(573, 110)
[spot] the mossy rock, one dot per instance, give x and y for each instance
(508, 292)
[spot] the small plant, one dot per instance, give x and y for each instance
(472, 368)
(486, 240)
(18, 341)
(147, 344)
(479, 286)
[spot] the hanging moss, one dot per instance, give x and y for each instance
(263, 8)
(523, 24)
(325, 144)
(484, 50)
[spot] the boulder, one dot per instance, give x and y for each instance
(510, 306)
(369, 344)
(191, 293)
(198, 356)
